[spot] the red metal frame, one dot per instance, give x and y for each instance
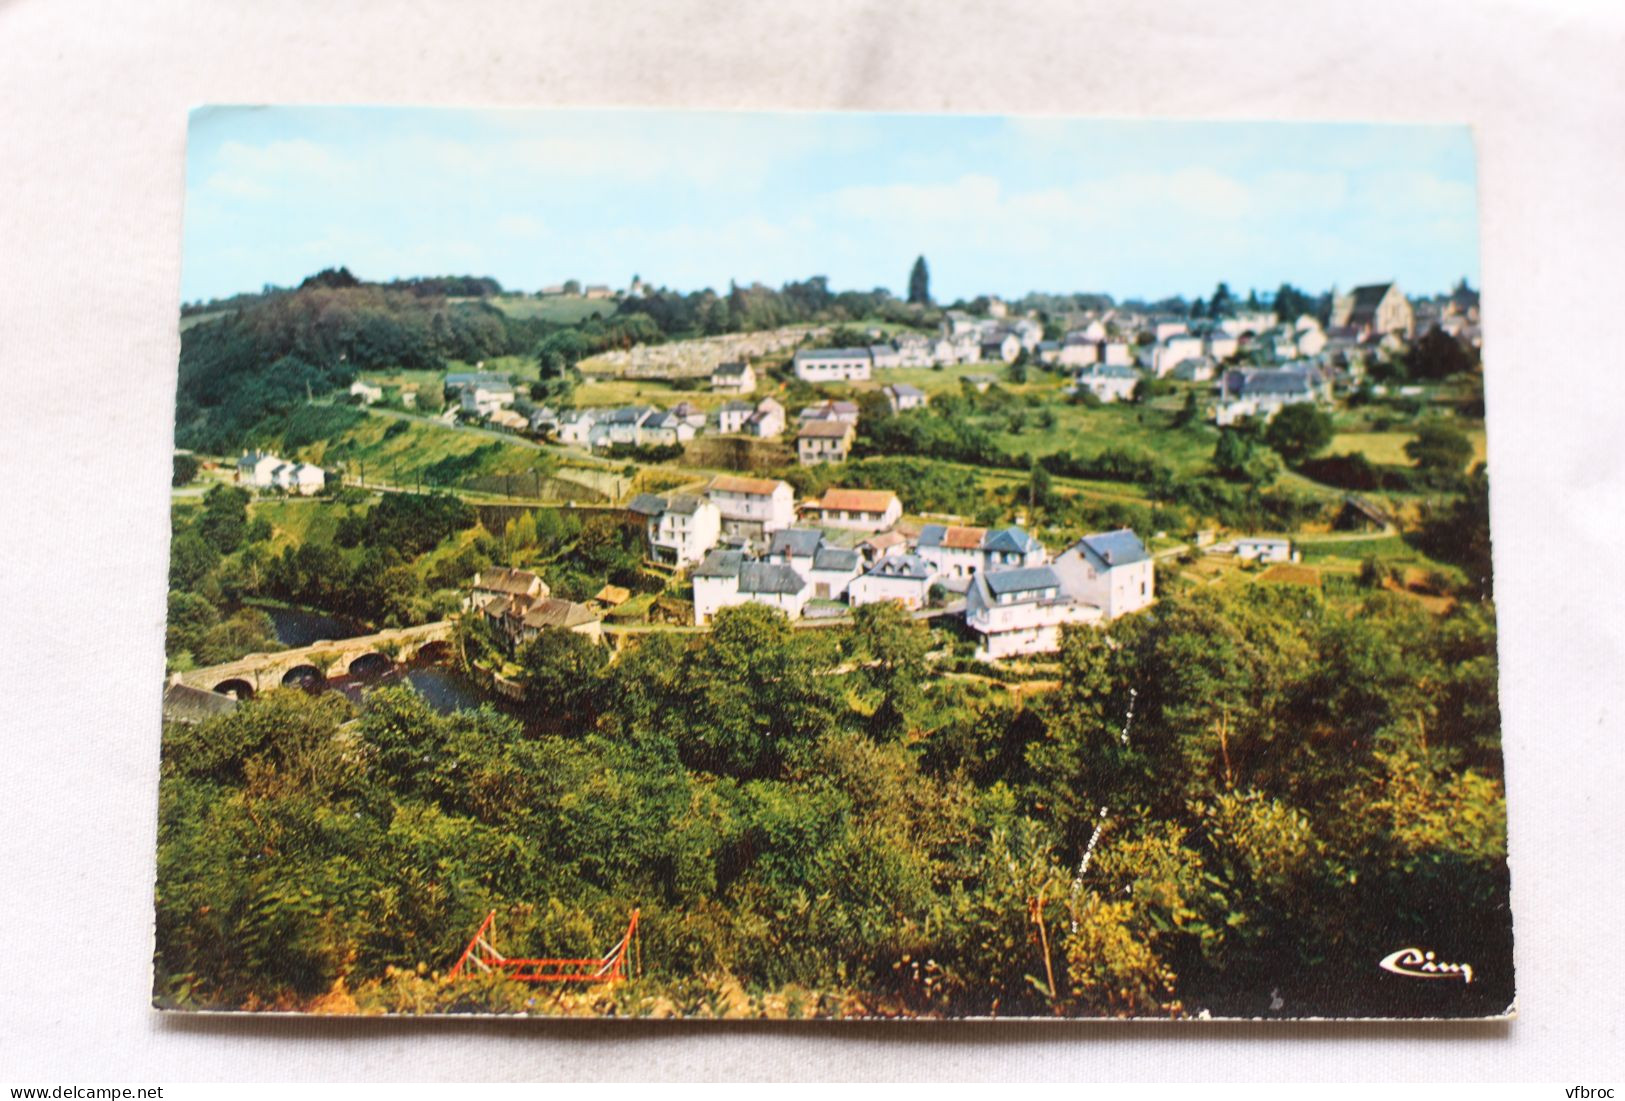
(484, 956)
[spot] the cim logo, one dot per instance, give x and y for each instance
(1414, 963)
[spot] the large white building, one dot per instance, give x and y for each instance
(728, 578)
(1021, 611)
(1111, 570)
(680, 529)
(752, 508)
(733, 378)
(856, 509)
(834, 364)
(1265, 391)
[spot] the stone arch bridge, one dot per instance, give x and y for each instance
(255, 673)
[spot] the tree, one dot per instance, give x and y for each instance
(919, 284)
(891, 646)
(1299, 431)
(1222, 304)
(225, 518)
(1290, 303)
(1040, 493)
(1235, 456)
(1438, 355)
(191, 558)
(560, 671)
(186, 468)
(1440, 451)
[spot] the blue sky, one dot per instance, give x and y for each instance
(998, 205)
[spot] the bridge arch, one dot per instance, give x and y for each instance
(433, 652)
(370, 666)
(304, 676)
(235, 687)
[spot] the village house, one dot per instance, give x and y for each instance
(500, 583)
(945, 351)
(728, 578)
(914, 350)
(855, 509)
(621, 427)
(680, 529)
(768, 421)
(883, 544)
(1003, 348)
(1112, 571)
(1048, 352)
(1028, 331)
(833, 570)
(1010, 547)
(1171, 352)
(1222, 345)
(1264, 548)
(733, 415)
(507, 418)
(484, 398)
(884, 356)
(752, 508)
(1021, 611)
(518, 605)
(733, 378)
(1196, 369)
(902, 397)
(1373, 310)
(256, 468)
(833, 364)
(1264, 391)
(847, 412)
(822, 441)
(664, 429)
(263, 470)
(1118, 353)
(795, 547)
(523, 620)
(576, 427)
(951, 551)
(1165, 330)
(597, 290)
(1311, 338)
(904, 578)
(1106, 383)
(368, 392)
(544, 419)
(1078, 350)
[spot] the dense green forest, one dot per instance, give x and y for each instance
(1236, 803)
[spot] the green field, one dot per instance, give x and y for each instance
(299, 519)
(1388, 448)
(1089, 429)
(566, 310)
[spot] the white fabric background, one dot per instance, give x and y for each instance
(93, 102)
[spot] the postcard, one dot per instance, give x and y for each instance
(704, 564)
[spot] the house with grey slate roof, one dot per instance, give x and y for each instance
(728, 578)
(904, 578)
